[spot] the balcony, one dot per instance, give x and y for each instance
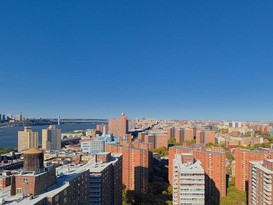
(268, 181)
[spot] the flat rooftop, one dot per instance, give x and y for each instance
(65, 174)
(190, 168)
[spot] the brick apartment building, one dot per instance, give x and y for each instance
(118, 126)
(135, 166)
(242, 159)
(260, 182)
(214, 165)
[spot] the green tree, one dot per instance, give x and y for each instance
(230, 156)
(234, 196)
(5, 150)
(248, 134)
(193, 141)
(162, 151)
(172, 140)
(170, 189)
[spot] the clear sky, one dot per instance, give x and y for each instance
(184, 59)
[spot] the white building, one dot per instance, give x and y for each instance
(235, 124)
(261, 182)
(93, 146)
(188, 181)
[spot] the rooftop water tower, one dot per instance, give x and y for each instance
(33, 160)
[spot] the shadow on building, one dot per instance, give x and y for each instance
(212, 194)
(141, 178)
(247, 190)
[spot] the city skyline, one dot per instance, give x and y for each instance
(168, 60)
(130, 118)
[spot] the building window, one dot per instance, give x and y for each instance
(56, 198)
(18, 191)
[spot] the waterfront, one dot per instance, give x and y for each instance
(9, 135)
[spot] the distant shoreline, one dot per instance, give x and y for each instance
(37, 122)
(9, 135)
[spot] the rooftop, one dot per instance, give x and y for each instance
(33, 151)
(188, 167)
(65, 174)
(259, 165)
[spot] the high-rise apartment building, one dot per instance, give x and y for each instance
(135, 166)
(261, 182)
(242, 159)
(106, 180)
(102, 128)
(150, 138)
(178, 135)
(170, 132)
(161, 140)
(197, 133)
(263, 128)
(214, 165)
(188, 181)
(51, 138)
(235, 124)
(140, 136)
(206, 136)
(156, 140)
(198, 136)
(118, 126)
(172, 152)
(27, 139)
(187, 134)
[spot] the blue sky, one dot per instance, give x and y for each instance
(167, 59)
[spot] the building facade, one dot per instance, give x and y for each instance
(214, 165)
(135, 167)
(207, 136)
(106, 180)
(27, 139)
(51, 138)
(119, 126)
(242, 159)
(93, 146)
(260, 182)
(188, 181)
(98, 182)
(187, 134)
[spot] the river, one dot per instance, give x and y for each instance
(9, 135)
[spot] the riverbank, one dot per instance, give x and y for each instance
(9, 135)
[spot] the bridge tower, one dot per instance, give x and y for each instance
(59, 120)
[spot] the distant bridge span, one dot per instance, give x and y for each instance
(80, 120)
